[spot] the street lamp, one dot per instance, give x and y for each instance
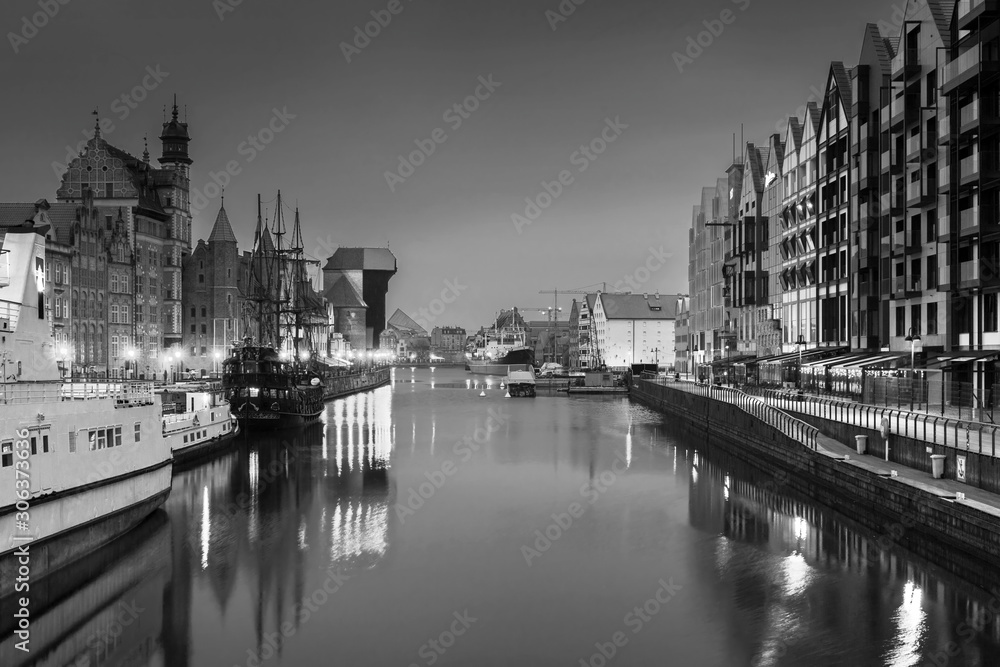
(800, 343)
(177, 363)
(217, 357)
(129, 361)
(913, 339)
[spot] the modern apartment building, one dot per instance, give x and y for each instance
(706, 283)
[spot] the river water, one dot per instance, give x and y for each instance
(425, 524)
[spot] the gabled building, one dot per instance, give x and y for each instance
(635, 329)
(214, 289)
(870, 148)
(833, 221)
(797, 248)
(768, 322)
(748, 279)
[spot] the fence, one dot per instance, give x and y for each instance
(931, 393)
(125, 394)
(966, 435)
(797, 429)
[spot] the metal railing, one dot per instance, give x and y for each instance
(803, 433)
(966, 435)
(124, 394)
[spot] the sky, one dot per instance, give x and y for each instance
(584, 132)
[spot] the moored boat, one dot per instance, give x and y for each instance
(503, 349)
(80, 463)
(196, 419)
(521, 383)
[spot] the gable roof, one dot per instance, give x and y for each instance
(403, 322)
(843, 79)
(639, 307)
(942, 11)
(222, 231)
(882, 48)
(342, 294)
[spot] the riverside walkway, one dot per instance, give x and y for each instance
(946, 431)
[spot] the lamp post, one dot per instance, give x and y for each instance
(800, 343)
(912, 338)
(130, 355)
(217, 357)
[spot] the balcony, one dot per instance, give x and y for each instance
(969, 169)
(899, 285)
(898, 107)
(964, 69)
(970, 10)
(944, 127)
(969, 272)
(969, 220)
(915, 286)
(917, 195)
(944, 178)
(913, 148)
(970, 116)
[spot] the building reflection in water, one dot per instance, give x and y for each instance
(823, 578)
(265, 523)
(104, 610)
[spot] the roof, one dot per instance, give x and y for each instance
(883, 50)
(362, 259)
(222, 231)
(942, 11)
(639, 307)
(843, 79)
(12, 215)
(813, 116)
(403, 322)
(342, 294)
(60, 215)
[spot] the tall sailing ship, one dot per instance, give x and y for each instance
(272, 376)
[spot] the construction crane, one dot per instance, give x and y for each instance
(555, 294)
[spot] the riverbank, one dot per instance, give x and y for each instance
(925, 515)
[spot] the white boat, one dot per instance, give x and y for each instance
(196, 419)
(521, 383)
(81, 463)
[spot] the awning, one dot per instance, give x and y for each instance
(807, 355)
(880, 360)
(945, 360)
(830, 361)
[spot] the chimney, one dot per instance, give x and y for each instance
(645, 295)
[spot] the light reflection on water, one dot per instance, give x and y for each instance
(768, 578)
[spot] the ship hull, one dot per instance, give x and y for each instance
(74, 524)
(521, 359)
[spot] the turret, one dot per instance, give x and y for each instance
(175, 140)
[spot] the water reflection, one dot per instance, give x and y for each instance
(105, 610)
(769, 577)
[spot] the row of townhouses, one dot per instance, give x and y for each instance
(126, 292)
(866, 238)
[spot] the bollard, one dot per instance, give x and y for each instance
(937, 465)
(862, 443)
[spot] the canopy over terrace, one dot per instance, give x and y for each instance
(784, 367)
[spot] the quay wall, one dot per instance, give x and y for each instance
(962, 534)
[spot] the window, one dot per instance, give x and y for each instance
(138, 430)
(7, 451)
(990, 312)
(915, 318)
(900, 320)
(204, 311)
(114, 346)
(932, 316)
(118, 436)
(124, 283)
(193, 311)
(194, 328)
(125, 315)
(114, 313)
(204, 328)
(114, 282)
(201, 277)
